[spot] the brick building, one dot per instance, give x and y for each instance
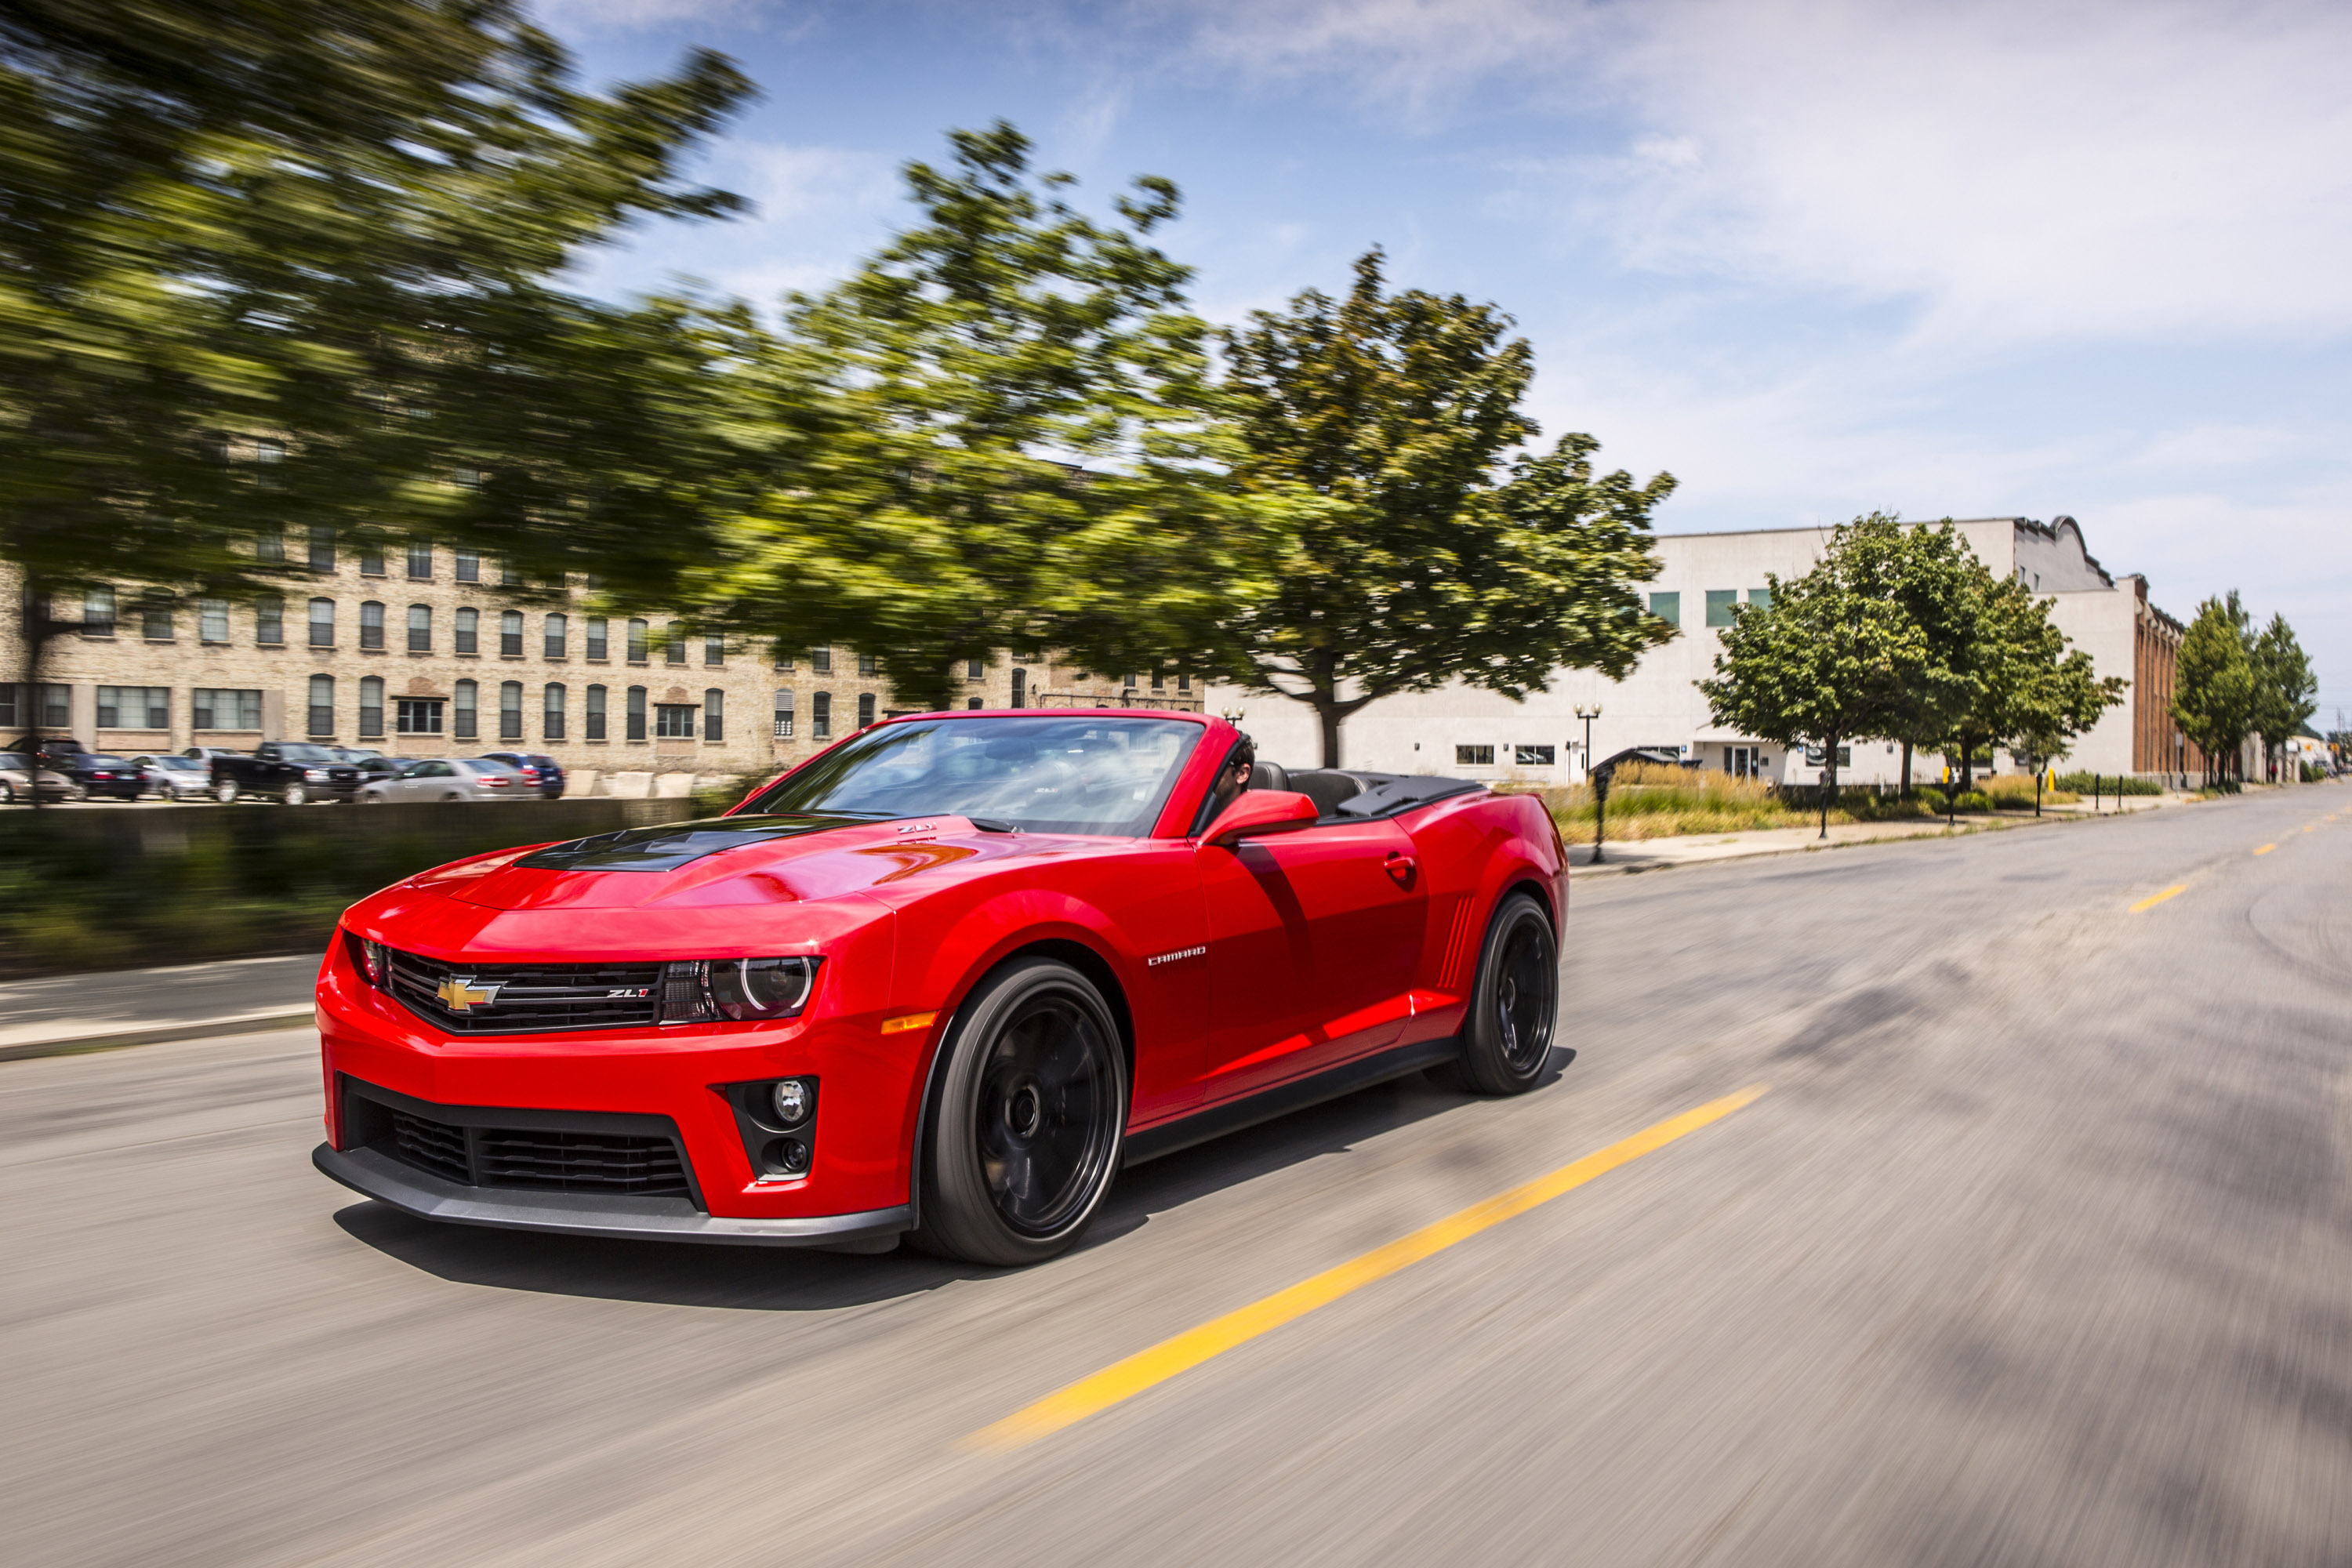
(430, 652)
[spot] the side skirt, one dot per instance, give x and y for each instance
(1167, 1138)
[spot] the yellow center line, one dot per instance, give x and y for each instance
(2264, 849)
(1148, 1368)
(2172, 893)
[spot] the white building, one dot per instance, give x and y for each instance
(1462, 731)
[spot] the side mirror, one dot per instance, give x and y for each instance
(1261, 811)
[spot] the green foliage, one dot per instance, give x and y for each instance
(1647, 801)
(1373, 431)
(2214, 687)
(2031, 692)
(2285, 689)
(1972, 801)
(1835, 655)
(924, 502)
(103, 889)
(264, 268)
(2312, 773)
(1934, 799)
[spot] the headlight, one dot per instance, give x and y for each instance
(743, 989)
(370, 957)
(314, 776)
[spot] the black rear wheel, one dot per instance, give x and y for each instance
(1032, 1111)
(1506, 1039)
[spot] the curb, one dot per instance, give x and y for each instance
(192, 1029)
(1619, 868)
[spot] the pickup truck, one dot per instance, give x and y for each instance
(284, 770)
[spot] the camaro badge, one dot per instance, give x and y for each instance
(458, 994)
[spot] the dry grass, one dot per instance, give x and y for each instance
(1650, 801)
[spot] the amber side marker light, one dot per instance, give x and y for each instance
(907, 1021)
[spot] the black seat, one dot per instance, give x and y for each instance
(1269, 776)
(1327, 787)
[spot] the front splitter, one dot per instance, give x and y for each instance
(583, 1213)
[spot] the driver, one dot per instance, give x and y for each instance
(1234, 777)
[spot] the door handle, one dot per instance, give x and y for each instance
(1401, 867)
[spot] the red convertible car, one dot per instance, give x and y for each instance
(941, 981)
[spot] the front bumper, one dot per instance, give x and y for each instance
(405, 1188)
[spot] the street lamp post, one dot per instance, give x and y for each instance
(1599, 781)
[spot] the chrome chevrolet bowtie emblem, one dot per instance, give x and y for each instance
(458, 994)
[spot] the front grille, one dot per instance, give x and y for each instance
(529, 998)
(548, 1160)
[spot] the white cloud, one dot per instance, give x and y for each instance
(2021, 171)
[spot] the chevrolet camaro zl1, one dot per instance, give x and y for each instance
(941, 981)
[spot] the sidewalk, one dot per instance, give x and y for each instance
(67, 1012)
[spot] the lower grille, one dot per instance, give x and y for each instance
(432, 1146)
(549, 1159)
(526, 998)
(581, 1161)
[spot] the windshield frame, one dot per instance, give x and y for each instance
(1188, 729)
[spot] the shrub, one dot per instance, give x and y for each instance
(1973, 800)
(2313, 773)
(1934, 799)
(101, 889)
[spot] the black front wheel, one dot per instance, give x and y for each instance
(1506, 1040)
(1025, 1133)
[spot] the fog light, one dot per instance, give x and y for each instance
(793, 1156)
(792, 1102)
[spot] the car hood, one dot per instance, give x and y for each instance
(734, 861)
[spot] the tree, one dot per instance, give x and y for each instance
(1938, 582)
(2285, 691)
(2028, 691)
(2213, 689)
(1375, 432)
(1010, 441)
(261, 270)
(1834, 657)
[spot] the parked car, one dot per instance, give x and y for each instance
(175, 778)
(99, 774)
(47, 749)
(23, 776)
(540, 771)
(372, 765)
(292, 771)
(446, 779)
(951, 977)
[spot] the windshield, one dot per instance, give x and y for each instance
(308, 754)
(1089, 774)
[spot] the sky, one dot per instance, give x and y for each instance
(1813, 259)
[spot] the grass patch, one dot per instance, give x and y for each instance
(2108, 784)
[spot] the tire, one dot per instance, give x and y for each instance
(1033, 1095)
(76, 792)
(7, 793)
(294, 794)
(1515, 1005)
(368, 799)
(226, 792)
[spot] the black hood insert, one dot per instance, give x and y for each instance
(675, 844)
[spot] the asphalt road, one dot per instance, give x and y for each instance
(2038, 1250)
